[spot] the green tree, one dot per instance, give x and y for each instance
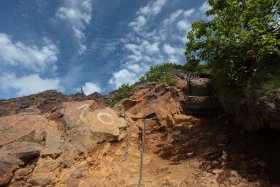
(160, 74)
(238, 42)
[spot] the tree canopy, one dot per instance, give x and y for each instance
(238, 42)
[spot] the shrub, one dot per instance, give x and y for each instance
(122, 93)
(159, 74)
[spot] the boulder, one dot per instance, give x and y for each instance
(153, 102)
(42, 145)
(6, 172)
(52, 146)
(21, 127)
(86, 127)
(13, 156)
(24, 151)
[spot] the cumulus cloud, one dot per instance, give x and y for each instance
(31, 57)
(26, 64)
(123, 76)
(173, 17)
(152, 8)
(89, 88)
(149, 42)
(77, 14)
(145, 13)
(205, 7)
(27, 85)
(184, 25)
(189, 12)
(150, 47)
(169, 49)
(138, 23)
(142, 52)
(135, 68)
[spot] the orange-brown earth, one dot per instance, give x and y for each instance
(84, 143)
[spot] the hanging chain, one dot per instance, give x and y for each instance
(127, 138)
(127, 144)
(142, 153)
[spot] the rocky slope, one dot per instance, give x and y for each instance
(147, 137)
(44, 102)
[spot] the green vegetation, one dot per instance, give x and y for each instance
(271, 84)
(202, 68)
(158, 74)
(123, 92)
(240, 45)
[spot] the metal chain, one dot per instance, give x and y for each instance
(127, 138)
(127, 144)
(142, 153)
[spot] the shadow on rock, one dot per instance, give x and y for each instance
(223, 149)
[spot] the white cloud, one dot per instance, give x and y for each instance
(123, 76)
(82, 48)
(78, 34)
(177, 14)
(138, 23)
(145, 13)
(183, 25)
(169, 49)
(27, 85)
(68, 14)
(131, 47)
(135, 68)
(148, 46)
(144, 51)
(89, 88)
(205, 7)
(31, 57)
(76, 13)
(188, 13)
(173, 17)
(152, 8)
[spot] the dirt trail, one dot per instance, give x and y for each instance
(190, 155)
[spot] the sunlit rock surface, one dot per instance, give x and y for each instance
(84, 143)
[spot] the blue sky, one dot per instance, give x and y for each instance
(97, 44)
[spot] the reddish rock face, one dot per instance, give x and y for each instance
(78, 143)
(157, 102)
(44, 102)
(47, 143)
(20, 136)
(89, 126)
(6, 172)
(15, 127)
